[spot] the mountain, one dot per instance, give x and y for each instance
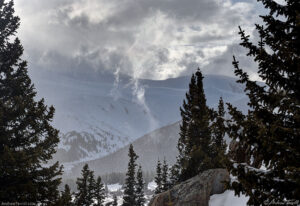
(155, 145)
(98, 114)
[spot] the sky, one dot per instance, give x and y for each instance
(150, 39)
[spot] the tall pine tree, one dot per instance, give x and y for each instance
(84, 187)
(174, 175)
(140, 184)
(194, 144)
(165, 176)
(27, 139)
(91, 188)
(66, 197)
(218, 130)
(158, 178)
(129, 197)
(99, 192)
(269, 134)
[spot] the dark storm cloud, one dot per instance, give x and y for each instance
(147, 38)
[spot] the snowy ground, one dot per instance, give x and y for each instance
(228, 199)
(110, 199)
(120, 199)
(114, 187)
(151, 186)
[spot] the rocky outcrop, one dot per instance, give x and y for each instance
(195, 191)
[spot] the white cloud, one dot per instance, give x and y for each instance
(153, 39)
(97, 11)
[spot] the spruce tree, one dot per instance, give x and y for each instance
(218, 130)
(115, 202)
(91, 188)
(158, 178)
(27, 139)
(165, 176)
(83, 187)
(140, 188)
(99, 192)
(194, 144)
(66, 197)
(174, 175)
(269, 134)
(129, 197)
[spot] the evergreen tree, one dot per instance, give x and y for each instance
(194, 144)
(158, 178)
(218, 129)
(66, 197)
(174, 175)
(165, 177)
(115, 202)
(27, 139)
(129, 197)
(269, 134)
(91, 188)
(84, 187)
(140, 188)
(99, 192)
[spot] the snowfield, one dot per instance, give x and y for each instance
(151, 186)
(228, 199)
(114, 187)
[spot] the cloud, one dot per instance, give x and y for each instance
(153, 39)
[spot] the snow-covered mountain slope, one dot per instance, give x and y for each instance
(97, 142)
(155, 145)
(98, 114)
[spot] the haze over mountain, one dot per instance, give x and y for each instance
(98, 114)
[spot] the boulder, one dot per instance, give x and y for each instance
(195, 191)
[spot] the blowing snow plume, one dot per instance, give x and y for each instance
(138, 67)
(138, 92)
(114, 92)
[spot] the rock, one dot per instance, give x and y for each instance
(195, 191)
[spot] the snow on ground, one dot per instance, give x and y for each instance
(151, 186)
(109, 199)
(228, 199)
(114, 187)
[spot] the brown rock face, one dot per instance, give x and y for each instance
(195, 191)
